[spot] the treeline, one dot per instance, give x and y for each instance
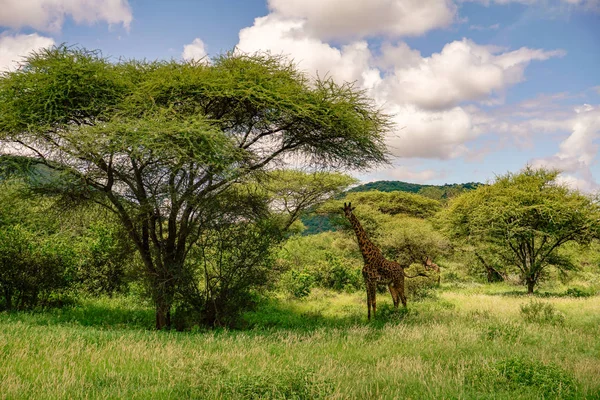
(316, 223)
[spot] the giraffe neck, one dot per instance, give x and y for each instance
(367, 248)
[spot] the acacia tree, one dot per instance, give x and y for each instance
(155, 141)
(293, 192)
(526, 218)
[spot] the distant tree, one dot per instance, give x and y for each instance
(156, 142)
(292, 193)
(390, 203)
(526, 217)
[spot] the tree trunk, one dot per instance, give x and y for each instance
(164, 291)
(8, 298)
(530, 285)
(163, 315)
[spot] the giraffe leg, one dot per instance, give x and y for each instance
(373, 291)
(394, 293)
(368, 302)
(400, 289)
(403, 298)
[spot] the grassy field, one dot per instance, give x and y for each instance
(468, 342)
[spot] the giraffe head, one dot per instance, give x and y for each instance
(348, 209)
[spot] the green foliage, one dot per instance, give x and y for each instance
(106, 258)
(327, 258)
(410, 240)
(541, 312)
(283, 384)
(548, 381)
(296, 284)
(339, 275)
(526, 218)
(420, 288)
(292, 193)
(392, 203)
(504, 331)
(437, 192)
(32, 269)
(155, 142)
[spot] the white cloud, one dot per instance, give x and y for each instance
(423, 94)
(577, 152)
(282, 36)
(49, 15)
(430, 134)
(404, 173)
(462, 71)
(342, 19)
(194, 51)
(14, 48)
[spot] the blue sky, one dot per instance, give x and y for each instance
(476, 88)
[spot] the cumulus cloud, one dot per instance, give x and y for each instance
(194, 51)
(427, 134)
(462, 71)
(342, 19)
(430, 98)
(49, 15)
(577, 152)
(14, 48)
(288, 37)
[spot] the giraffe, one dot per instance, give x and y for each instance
(377, 270)
(431, 266)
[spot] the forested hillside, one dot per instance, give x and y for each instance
(316, 223)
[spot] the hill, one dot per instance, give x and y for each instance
(318, 223)
(392, 186)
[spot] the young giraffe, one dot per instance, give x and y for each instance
(377, 269)
(431, 266)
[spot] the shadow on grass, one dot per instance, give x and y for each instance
(271, 315)
(275, 315)
(103, 313)
(571, 293)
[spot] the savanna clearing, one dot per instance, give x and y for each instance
(467, 340)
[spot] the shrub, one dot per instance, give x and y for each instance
(31, 270)
(341, 276)
(549, 381)
(296, 283)
(577, 292)
(106, 253)
(539, 311)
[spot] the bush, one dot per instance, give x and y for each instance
(539, 311)
(577, 292)
(32, 270)
(549, 381)
(296, 283)
(106, 253)
(341, 276)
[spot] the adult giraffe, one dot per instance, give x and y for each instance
(377, 269)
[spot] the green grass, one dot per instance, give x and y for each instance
(472, 342)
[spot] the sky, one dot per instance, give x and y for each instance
(475, 88)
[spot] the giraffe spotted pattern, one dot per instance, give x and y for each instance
(377, 269)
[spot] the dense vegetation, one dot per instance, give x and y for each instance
(437, 191)
(163, 201)
(173, 150)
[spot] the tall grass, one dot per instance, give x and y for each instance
(467, 343)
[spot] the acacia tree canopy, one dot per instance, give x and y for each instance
(153, 141)
(527, 217)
